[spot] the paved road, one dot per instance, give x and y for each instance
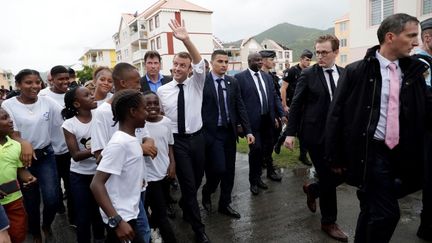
(278, 214)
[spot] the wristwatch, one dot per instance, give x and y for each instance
(113, 222)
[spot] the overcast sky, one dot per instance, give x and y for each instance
(43, 33)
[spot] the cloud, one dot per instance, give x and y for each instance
(41, 34)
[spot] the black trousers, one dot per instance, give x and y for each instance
(260, 152)
(220, 164)
(63, 171)
(112, 236)
(426, 214)
(189, 156)
(325, 188)
(155, 199)
(379, 207)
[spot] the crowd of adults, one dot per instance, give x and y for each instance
(368, 125)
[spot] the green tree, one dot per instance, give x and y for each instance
(86, 74)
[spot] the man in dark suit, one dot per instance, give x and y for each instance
(264, 108)
(307, 117)
(152, 80)
(222, 110)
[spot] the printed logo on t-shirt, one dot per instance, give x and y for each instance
(86, 143)
(46, 116)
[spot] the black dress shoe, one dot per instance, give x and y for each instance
(272, 175)
(206, 202)
(254, 189)
(202, 237)
(262, 185)
(229, 212)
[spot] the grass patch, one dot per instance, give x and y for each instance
(285, 159)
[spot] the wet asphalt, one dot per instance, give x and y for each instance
(278, 214)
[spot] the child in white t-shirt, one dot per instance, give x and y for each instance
(160, 168)
(120, 175)
(79, 103)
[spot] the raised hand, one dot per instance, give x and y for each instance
(179, 30)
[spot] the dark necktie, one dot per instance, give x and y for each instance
(332, 82)
(221, 100)
(181, 110)
(264, 105)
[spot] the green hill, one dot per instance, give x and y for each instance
(292, 36)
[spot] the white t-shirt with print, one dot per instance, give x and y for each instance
(82, 134)
(34, 121)
(57, 137)
(122, 158)
(162, 134)
(102, 127)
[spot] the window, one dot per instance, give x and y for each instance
(151, 24)
(100, 56)
(280, 66)
(279, 55)
(287, 54)
(427, 7)
(157, 21)
(343, 58)
(152, 45)
(342, 26)
(158, 43)
(379, 10)
(343, 42)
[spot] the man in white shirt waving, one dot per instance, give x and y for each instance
(181, 101)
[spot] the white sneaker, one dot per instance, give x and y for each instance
(155, 236)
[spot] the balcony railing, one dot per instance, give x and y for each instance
(139, 35)
(138, 55)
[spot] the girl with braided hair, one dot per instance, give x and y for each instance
(79, 103)
(120, 175)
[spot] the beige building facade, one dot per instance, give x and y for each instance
(149, 30)
(366, 15)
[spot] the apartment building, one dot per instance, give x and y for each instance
(342, 32)
(6, 79)
(239, 51)
(366, 15)
(149, 30)
(99, 57)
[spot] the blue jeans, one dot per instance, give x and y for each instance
(142, 224)
(4, 221)
(45, 170)
(86, 213)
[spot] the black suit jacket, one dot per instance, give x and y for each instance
(310, 105)
(249, 93)
(236, 109)
(144, 82)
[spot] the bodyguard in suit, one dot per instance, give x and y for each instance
(222, 110)
(307, 117)
(263, 107)
(152, 80)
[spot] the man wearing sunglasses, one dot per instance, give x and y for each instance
(306, 119)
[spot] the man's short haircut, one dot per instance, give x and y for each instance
(184, 55)
(58, 69)
(120, 71)
(333, 40)
(218, 52)
(306, 53)
(395, 24)
(152, 54)
(71, 72)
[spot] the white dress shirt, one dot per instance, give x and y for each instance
(335, 75)
(385, 90)
(256, 84)
(193, 94)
